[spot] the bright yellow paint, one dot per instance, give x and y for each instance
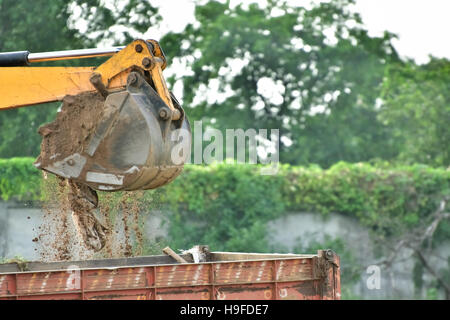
(128, 58)
(24, 86)
(124, 60)
(160, 84)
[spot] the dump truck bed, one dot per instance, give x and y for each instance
(225, 276)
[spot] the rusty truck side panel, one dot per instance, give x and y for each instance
(226, 276)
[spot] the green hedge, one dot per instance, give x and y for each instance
(224, 206)
(227, 205)
(19, 179)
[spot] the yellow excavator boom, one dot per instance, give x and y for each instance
(24, 86)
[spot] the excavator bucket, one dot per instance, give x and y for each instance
(127, 142)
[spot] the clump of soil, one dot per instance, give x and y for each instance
(73, 126)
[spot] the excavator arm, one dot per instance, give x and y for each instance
(24, 86)
(131, 128)
(116, 128)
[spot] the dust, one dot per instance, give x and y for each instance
(57, 238)
(131, 208)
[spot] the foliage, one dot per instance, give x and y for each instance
(36, 26)
(116, 21)
(325, 76)
(368, 191)
(39, 25)
(19, 179)
(224, 206)
(417, 106)
(153, 247)
(432, 294)
(233, 197)
(17, 259)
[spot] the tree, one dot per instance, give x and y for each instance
(39, 26)
(397, 235)
(417, 107)
(312, 73)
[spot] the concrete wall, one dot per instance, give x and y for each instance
(19, 223)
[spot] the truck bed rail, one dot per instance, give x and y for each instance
(225, 276)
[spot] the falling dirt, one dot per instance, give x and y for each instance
(130, 219)
(83, 202)
(80, 223)
(58, 238)
(53, 239)
(137, 222)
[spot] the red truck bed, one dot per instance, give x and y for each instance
(225, 276)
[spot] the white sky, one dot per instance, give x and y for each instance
(423, 26)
